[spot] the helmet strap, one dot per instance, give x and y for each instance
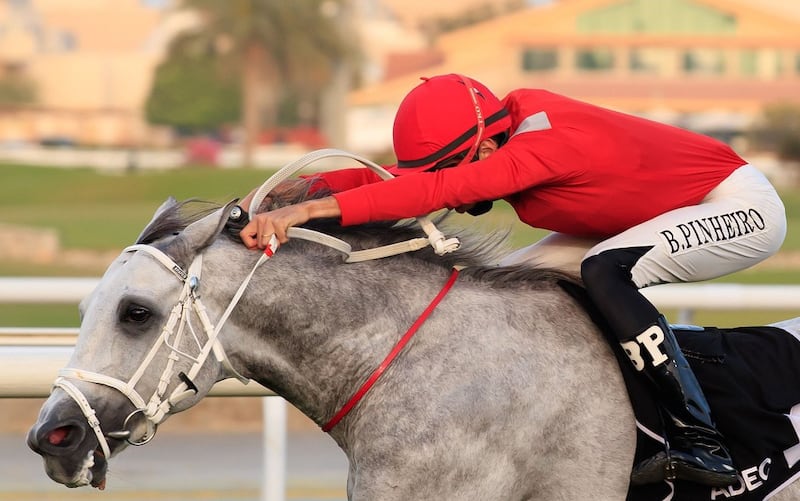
(481, 124)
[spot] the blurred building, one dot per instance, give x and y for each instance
(709, 65)
(91, 63)
(419, 13)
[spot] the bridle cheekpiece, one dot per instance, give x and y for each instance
(178, 325)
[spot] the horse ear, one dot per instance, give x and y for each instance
(200, 234)
(166, 206)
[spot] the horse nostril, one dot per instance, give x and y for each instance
(57, 439)
(58, 436)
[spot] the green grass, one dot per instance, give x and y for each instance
(91, 210)
(39, 315)
(104, 212)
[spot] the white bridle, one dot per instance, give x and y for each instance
(157, 407)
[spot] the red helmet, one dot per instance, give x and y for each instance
(443, 116)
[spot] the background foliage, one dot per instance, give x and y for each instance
(17, 90)
(778, 131)
(189, 97)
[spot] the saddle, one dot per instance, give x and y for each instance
(751, 379)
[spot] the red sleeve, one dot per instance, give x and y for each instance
(510, 170)
(344, 179)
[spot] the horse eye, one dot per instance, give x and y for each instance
(136, 314)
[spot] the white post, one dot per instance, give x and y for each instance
(273, 487)
(685, 316)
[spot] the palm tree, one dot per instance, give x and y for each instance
(272, 44)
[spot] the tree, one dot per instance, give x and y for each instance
(778, 131)
(17, 90)
(269, 45)
(192, 93)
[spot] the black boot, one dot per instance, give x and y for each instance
(695, 451)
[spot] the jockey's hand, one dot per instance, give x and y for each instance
(258, 231)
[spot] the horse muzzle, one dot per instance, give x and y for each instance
(70, 452)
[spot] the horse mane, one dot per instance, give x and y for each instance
(477, 256)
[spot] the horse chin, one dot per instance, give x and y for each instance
(91, 471)
(98, 470)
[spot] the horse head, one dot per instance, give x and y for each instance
(146, 307)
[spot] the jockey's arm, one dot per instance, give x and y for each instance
(344, 179)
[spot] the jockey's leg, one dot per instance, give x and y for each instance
(695, 450)
(695, 446)
(738, 224)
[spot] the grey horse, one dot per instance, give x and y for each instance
(506, 392)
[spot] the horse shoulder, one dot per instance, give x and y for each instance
(499, 394)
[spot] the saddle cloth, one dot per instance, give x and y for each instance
(751, 378)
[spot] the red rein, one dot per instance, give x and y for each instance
(391, 356)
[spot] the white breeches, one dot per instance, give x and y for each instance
(739, 223)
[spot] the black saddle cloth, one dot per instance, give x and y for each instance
(751, 378)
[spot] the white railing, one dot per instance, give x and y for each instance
(31, 357)
(686, 298)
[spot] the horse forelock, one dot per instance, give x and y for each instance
(175, 219)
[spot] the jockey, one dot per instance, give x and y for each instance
(630, 202)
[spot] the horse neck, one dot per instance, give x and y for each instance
(313, 330)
